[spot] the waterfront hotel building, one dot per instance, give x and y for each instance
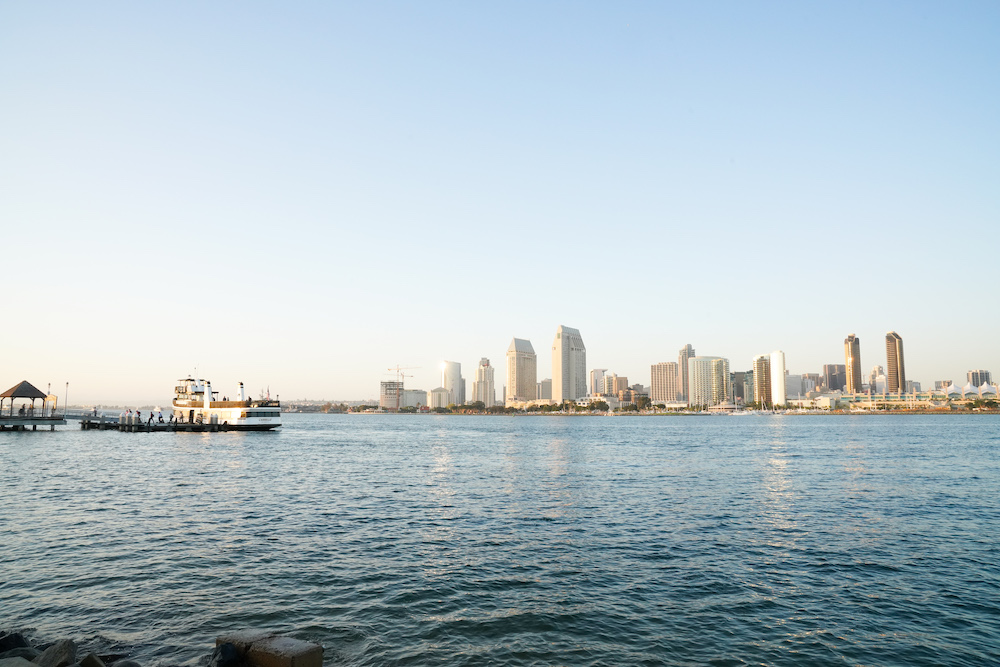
(708, 380)
(664, 381)
(569, 365)
(522, 372)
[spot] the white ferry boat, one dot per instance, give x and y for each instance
(195, 402)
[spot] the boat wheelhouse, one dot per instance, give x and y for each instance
(195, 402)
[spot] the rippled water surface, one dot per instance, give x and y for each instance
(449, 540)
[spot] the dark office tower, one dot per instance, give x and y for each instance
(895, 368)
(979, 377)
(852, 354)
(738, 380)
(833, 376)
(682, 376)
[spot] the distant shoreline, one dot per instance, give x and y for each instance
(825, 413)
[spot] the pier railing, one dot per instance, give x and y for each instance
(29, 413)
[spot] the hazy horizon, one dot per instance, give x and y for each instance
(302, 197)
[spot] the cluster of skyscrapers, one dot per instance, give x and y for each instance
(702, 381)
(569, 370)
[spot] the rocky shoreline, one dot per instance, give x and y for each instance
(16, 650)
(246, 648)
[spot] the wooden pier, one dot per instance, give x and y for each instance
(133, 425)
(18, 423)
(28, 414)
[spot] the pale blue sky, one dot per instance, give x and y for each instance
(303, 195)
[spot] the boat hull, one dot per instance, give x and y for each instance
(250, 427)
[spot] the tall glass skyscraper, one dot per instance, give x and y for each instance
(852, 357)
(682, 376)
(451, 379)
(896, 369)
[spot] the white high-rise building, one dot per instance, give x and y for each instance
(569, 365)
(664, 382)
(597, 381)
(438, 398)
(482, 388)
(610, 384)
(708, 381)
(522, 372)
(451, 379)
(778, 394)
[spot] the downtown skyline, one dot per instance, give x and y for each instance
(270, 195)
(768, 371)
(429, 375)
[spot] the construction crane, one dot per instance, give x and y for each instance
(400, 376)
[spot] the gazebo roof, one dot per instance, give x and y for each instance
(23, 390)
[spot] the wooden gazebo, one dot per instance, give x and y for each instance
(23, 390)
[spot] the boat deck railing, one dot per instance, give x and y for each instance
(260, 403)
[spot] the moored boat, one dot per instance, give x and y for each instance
(195, 402)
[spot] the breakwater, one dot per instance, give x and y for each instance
(246, 648)
(524, 541)
(18, 649)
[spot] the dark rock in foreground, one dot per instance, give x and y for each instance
(91, 660)
(60, 654)
(16, 662)
(125, 663)
(247, 648)
(266, 649)
(26, 652)
(12, 641)
(226, 655)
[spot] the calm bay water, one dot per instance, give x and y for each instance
(531, 540)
